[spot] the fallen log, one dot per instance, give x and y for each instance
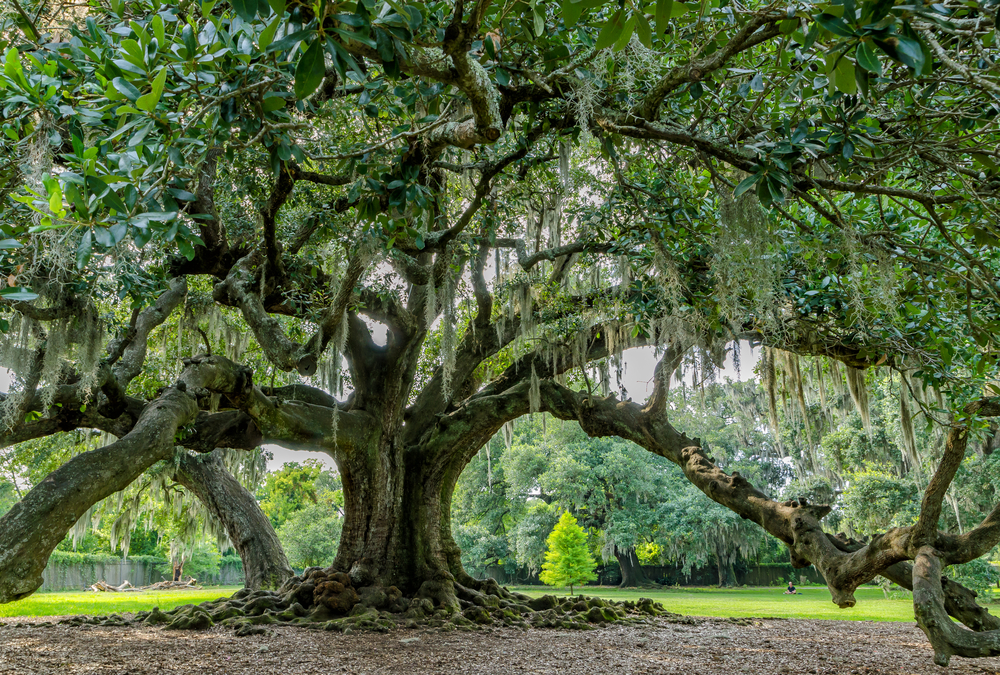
(126, 587)
(191, 584)
(105, 587)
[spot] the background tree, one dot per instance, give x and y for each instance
(311, 535)
(288, 490)
(567, 561)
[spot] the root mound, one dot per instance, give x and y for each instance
(326, 599)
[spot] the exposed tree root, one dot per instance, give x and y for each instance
(326, 600)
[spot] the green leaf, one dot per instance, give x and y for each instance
(267, 35)
(835, 25)
(352, 20)
(7, 244)
(246, 9)
(290, 41)
(12, 65)
(980, 158)
(55, 198)
(113, 201)
(867, 59)
(84, 250)
(186, 249)
(190, 43)
(644, 31)
(125, 88)
(862, 76)
(610, 32)
(310, 71)
(103, 236)
(149, 101)
(844, 77)
(159, 30)
(278, 6)
(746, 184)
(664, 10)
(626, 34)
(18, 293)
(572, 9)
(538, 21)
(273, 102)
(764, 194)
(141, 236)
(910, 53)
(680, 9)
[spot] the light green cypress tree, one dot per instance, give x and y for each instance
(568, 561)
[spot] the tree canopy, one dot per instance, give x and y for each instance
(385, 231)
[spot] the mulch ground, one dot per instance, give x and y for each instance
(706, 646)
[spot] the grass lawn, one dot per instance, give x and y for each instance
(814, 603)
(55, 604)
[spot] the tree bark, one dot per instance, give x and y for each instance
(397, 529)
(264, 562)
(632, 573)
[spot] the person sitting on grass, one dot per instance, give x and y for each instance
(791, 590)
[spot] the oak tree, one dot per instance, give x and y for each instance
(477, 228)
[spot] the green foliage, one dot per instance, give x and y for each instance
(8, 496)
(568, 561)
(79, 558)
(977, 575)
(289, 489)
(508, 501)
(311, 535)
(531, 533)
(875, 499)
(305, 505)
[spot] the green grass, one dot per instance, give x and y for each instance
(56, 604)
(814, 603)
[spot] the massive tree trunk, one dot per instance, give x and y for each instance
(397, 522)
(264, 562)
(632, 573)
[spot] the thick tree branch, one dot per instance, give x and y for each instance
(528, 261)
(30, 531)
(132, 346)
(946, 637)
(926, 529)
(760, 28)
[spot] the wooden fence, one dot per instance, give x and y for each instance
(78, 576)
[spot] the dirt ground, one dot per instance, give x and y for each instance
(709, 647)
